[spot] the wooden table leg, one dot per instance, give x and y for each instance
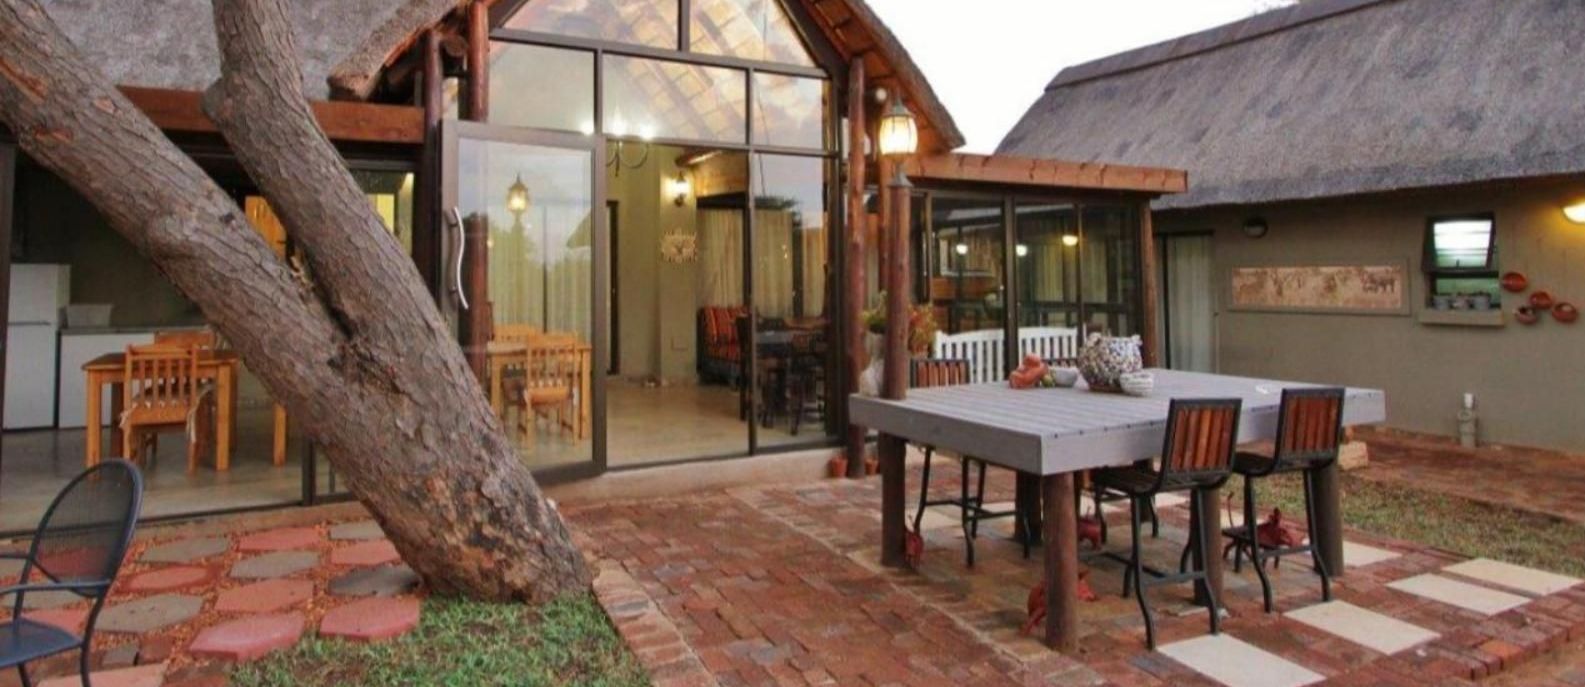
(893, 465)
(225, 413)
(118, 441)
(92, 422)
(1212, 565)
(497, 402)
(278, 450)
(1329, 519)
(1062, 562)
(585, 400)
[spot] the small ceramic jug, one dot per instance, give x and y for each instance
(1105, 359)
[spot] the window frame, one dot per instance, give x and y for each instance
(1435, 274)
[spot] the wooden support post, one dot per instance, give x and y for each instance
(893, 502)
(853, 283)
(1329, 520)
(426, 225)
(884, 171)
(898, 299)
(1150, 333)
(476, 322)
(1212, 565)
(1061, 516)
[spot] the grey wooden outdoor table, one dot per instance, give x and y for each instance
(1051, 434)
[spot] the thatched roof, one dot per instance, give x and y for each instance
(171, 43)
(1332, 98)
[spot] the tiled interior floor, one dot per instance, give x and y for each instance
(760, 585)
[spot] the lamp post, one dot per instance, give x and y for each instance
(898, 139)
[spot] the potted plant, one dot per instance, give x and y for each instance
(922, 331)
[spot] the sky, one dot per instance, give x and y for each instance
(989, 60)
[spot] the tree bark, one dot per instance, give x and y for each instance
(361, 357)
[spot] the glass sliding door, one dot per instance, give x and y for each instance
(793, 344)
(532, 196)
(965, 273)
(1109, 269)
(1047, 276)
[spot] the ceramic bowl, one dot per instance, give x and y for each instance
(1065, 376)
(1565, 313)
(1138, 383)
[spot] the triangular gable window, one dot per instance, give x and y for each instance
(651, 23)
(749, 29)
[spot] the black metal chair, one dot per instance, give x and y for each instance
(1196, 457)
(77, 548)
(924, 373)
(1309, 437)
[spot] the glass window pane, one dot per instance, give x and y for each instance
(1462, 244)
(967, 274)
(791, 297)
(1047, 276)
(749, 29)
(641, 22)
(536, 86)
(789, 111)
(657, 99)
(1110, 255)
(541, 258)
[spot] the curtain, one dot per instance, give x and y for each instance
(1191, 307)
(720, 258)
(775, 258)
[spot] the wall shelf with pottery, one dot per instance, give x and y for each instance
(1463, 318)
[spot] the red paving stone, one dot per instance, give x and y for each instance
(140, 676)
(68, 619)
(373, 619)
(264, 597)
(284, 539)
(248, 638)
(169, 579)
(366, 554)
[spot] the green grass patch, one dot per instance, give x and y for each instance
(1450, 523)
(467, 644)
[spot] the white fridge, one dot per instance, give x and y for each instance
(38, 295)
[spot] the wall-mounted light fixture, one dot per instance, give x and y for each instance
(898, 132)
(679, 188)
(517, 198)
(962, 248)
(1070, 240)
(1256, 227)
(1022, 250)
(1575, 213)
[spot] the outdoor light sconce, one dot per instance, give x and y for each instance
(679, 189)
(1022, 250)
(1575, 213)
(1070, 240)
(962, 249)
(1256, 227)
(899, 133)
(517, 198)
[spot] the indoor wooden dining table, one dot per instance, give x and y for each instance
(1050, 435)
(506, 355)
(219, 366)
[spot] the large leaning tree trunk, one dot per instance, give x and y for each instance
(360, 356)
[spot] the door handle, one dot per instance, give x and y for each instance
(462, 250)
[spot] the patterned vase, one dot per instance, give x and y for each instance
(1105, 359)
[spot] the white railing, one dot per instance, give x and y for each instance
(984, 350)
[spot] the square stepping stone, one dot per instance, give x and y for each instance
(285, 539)
(169, 579)
(936, 518)
(249, 638)
(386, 580)
(186, 550)
(1517, 577)
(357, 531)
(371, 620)
(366, 554)
(1360, 555)
(1363, 627)
(1467, 596)
(1238, 664)
(152, 675)
(273, 565)
(268, 596)
(149, 613)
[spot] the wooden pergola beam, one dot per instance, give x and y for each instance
(1002, 169)
(181, 111)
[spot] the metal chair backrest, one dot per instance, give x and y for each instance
(85, 533)
(1202, 435)
(1310, 428)
(159, 383)
(924, 373)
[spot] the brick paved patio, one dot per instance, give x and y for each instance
(782, 585)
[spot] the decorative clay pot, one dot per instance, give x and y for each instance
(1105, 359)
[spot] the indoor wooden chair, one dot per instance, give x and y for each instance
(200, 339)
(161, 392)
(516, 333)
(549, 379)
(1309, 438)
(926, 373)
(1197, 457)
